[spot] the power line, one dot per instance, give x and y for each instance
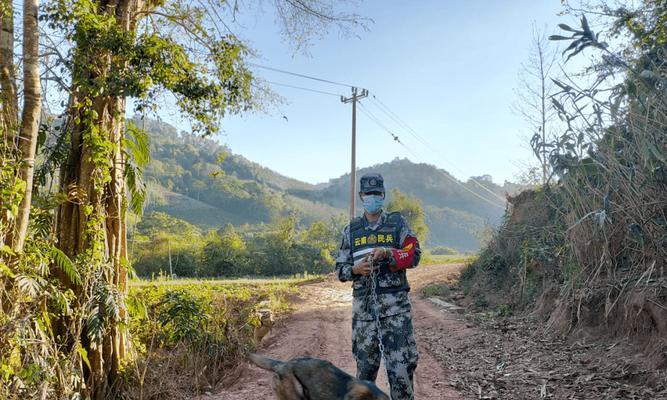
(303, 88)
(381, 125)
(384, 108)
(451, 178)
(377, 121)
(282, 71)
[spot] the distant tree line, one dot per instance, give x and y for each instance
(277, 249)
(283, 247)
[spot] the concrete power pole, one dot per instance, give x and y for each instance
(356, 96)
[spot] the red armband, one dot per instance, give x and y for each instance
(404, 257)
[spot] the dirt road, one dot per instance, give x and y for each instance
(321, 327)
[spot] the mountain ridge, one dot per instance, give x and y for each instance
(190, 180)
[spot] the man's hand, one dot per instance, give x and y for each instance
(379, 253)
(363, 268)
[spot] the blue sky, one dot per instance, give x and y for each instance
(448, 68)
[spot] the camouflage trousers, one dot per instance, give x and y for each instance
(400, 352)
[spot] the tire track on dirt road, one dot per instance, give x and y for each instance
(321, 326)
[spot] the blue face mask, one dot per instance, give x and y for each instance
(372, 202)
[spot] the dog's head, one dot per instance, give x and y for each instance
(365, 390)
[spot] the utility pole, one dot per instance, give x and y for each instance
(356, 96)
(171, 271)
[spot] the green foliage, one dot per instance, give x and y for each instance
(159, 234)
(411, 208)
(599, 231)
(182, 317)
(225, 254)
(196, 328)
(29, 362)
(281, 251)
(137, 153)
(207, 84)
(282, 248)
(64, 263)
(187, 168)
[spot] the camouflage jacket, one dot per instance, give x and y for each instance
(391, 230)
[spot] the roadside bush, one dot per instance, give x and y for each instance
(188, 335)
(598, 234)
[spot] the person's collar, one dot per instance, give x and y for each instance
(380, 220)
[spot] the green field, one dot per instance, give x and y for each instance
(167, 282)
(429, 259)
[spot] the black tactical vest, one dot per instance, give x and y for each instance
(363, 241)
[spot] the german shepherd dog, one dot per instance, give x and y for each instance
(314, 379)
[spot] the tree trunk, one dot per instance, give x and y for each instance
(8, 112)
(101, 230)
(8, 99)
(92, 222)
(32, 102)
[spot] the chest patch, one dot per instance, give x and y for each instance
(374, 239)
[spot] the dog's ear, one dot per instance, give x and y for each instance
(359, 391)
(288, 387)
(364, 390)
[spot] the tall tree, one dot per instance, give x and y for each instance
(139, 49)
(413, 211)
(8, 111)
(20, 139)
(534, 92)
(8, 99)
(30, 119)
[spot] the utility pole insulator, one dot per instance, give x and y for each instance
(356, 96)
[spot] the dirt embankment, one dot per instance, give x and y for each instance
(462, 355)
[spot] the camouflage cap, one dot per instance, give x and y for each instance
(371, 183)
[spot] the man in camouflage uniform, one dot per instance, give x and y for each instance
(387, 240)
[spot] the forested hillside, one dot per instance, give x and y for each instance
(197, 179)
(432, 185)
(205, 183)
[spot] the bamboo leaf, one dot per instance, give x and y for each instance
(559, 37)
(136, 188)
(138, 144)
(584, 24)
(566, 28)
